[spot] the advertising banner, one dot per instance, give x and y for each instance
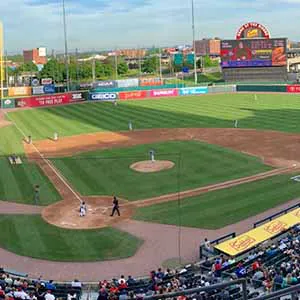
(164, 93)
(253, 53)
(45, 81)
(8, 103)
(85, 86)
(125, 83)
(293, 89)
(105, 84)
(19, 91)
(193, 91)
(49, 89)
(103, 96)
(38, 90)
(45, 100)
(133, 95)
(151, 81)
(260, 234)
(35, 82)
(78, 96)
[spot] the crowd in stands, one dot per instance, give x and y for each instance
(15, 288)
(270, 267)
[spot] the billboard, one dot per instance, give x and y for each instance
(8, 103)
(105, 84)
(164, 93)
(252, 30)
(193, 91)
(133, 95)
(151, 81)
(19, 91)
(38, 90)
(253, 53)
(45, 81)
(49, 100)
(293, 89)
(103, 96)
(49, 88)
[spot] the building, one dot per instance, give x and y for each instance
(132, 53)
(211, 47)
(37, 56)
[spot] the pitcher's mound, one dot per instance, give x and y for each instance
(149, 166)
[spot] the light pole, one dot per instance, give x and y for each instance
(1, 61)
(66, 46)
(194, 44)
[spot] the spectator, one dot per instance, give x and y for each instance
(130, 281)
(49, 296)
(20, 294)
(76, 284)
(50, 286)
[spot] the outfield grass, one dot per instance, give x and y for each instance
(107, 172)
(220, 208)
(10, 141)
(269, 111)
(31, 236)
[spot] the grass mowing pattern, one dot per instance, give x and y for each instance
(31, 236)
(269, 111)
(17, 182)
(108, 172)
(220, 208)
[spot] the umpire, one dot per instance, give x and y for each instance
(115, 207)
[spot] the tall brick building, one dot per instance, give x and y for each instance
(211, 47)
(37, 56)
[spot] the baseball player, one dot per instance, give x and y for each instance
(29, 139)
(236, 123)
(82, 209)
(55, 136)
(130, 126)
(115, 103)
(115, 207)
(36, 194)
(152, 155)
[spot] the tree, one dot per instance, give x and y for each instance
(208, 62)
(28, 67)
(150, 64)
(54, 69)
(122, 68)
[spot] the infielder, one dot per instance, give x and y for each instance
(152, 155)
(130, 126)
(236, 123)
(55, 136)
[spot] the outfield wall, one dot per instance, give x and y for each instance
(154, 92)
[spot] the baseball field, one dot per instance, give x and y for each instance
(206, 174)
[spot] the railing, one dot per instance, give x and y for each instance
(270, 218)
(203, 252)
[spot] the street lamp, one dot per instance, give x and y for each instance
(194, 44)
(66, 46)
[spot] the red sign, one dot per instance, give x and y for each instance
(133, 95)
(49, 100)
(293, 89)
(151, 81)
(164, 93)
(253, 30)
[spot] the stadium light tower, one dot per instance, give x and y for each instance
(1, 61)
(66, 46)
(194, 44)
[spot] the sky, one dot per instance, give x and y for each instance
(111, 24)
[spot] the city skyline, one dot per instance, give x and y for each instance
(109, 24)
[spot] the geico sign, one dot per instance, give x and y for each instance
(104, 96)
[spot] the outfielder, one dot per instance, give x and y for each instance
(236, 123)
(130, 126)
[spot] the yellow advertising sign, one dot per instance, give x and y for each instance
(19, 91)
(252, 33)
(260, 234)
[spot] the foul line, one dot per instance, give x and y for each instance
(44, 159)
